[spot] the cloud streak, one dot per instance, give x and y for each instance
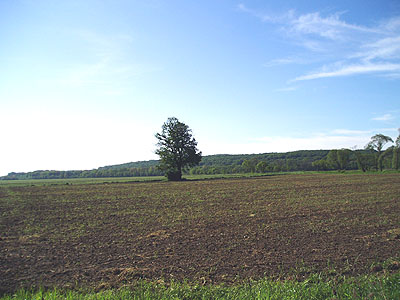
(385, 117)
(344, 49)
(351, 70)
(330, 27)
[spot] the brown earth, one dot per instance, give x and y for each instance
(108, 235)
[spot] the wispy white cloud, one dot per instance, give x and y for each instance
(392, 24)
(393, 76)
(346, 49)
(351, 70)
(381, 49)
(330, 27)
(385, 117)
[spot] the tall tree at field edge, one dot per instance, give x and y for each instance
(377, 142)
(177, 149)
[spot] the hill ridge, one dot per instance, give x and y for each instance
(300, 160)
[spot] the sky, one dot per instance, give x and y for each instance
(85, 84)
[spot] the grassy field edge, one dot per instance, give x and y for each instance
(315, 287)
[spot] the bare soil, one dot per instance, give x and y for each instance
(219, 231)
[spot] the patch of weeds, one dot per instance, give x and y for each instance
(392, 264)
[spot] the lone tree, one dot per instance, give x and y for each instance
(177, 149)
(377, 142)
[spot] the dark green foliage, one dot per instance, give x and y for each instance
(96, 173)
(177, 149)
(343, 157)
(289, 161)
(261, 167)
(332, 159)
(249, 165)
(212, 164)
(321, 165)
(395, 158)
(365, 159)
(337, 159)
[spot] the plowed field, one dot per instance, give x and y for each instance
(211, 231)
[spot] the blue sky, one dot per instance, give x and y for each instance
(85, 84)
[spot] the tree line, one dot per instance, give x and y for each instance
(305, 160)
(212, 164)
(178, 151)
(179, 155)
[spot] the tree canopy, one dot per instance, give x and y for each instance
(378, 141)
(177, 148)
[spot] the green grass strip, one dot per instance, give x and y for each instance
(366, 287)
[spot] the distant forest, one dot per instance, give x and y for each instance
(305, 160)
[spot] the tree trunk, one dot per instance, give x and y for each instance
(174, 175)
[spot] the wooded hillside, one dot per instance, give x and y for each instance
(304, 160)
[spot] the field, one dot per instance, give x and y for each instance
(108, 234)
